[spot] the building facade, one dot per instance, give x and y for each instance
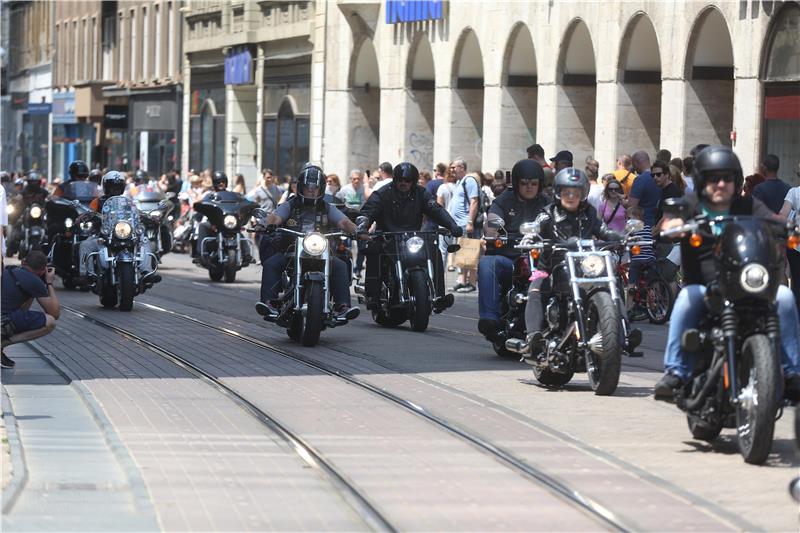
(26, 111)
(431, 80)
(247, 85)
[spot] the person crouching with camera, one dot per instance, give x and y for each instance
(33, 279)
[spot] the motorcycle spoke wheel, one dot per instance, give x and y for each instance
(602, 318)
(757, 385)
(659, 301)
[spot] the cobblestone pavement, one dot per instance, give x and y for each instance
(207, 465)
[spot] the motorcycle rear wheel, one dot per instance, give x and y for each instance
(757, 375)
(421, 310)
(312, 322)
(659, 300)
(603, 317)
(127, 286)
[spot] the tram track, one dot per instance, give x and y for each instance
(574, 498)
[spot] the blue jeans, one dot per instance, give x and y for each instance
(689, 310)
(494, 274)
(273, 270)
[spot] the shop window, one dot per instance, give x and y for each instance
(286, 138)
(207, 134)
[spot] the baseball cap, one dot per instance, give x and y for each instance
(563, 155)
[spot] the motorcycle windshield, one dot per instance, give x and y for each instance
(83, 191)
(118, 209)
(226, 203)
(746, 240)
(149, 200)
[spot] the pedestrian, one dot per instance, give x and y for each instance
(536, 152)
(662, 177)
(610, 210)
(424, 179)
(646, 258)
(433, 186)
(486, 190)
(791, 211)
(333, 184)
(664, 155)
(562, 160)
(688, 165)
(384, 178)
(464, 206)
(238, 184)
(20, 286)
(353, 197)
(625, 173)
(645, 193)
(443, 196)
(773, 190)
(596, 190)
(750, 183)
(266, 193)
(676, 176)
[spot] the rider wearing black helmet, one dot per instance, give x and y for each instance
(96, 176)
(718, 180)
(570, 216)
(306, 211)
(521, 203)
(400, 206)
(219, 181)
(219, 184)
(78, 171)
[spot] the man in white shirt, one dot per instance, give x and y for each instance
(385, 172)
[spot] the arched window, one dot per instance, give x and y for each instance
(286, 137)
(207, 130)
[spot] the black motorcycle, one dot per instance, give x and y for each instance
(29, 231)
(306, 303)
(156, 213)
(226, 250)
(586, 326)
(736, 381)
(407, 289)
(68, 227)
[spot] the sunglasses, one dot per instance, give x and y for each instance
(726, 178)
(529, 182)
(658, 174)
(613, 189)
(571, 193)
(406, 180)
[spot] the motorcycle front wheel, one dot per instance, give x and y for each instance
(215, 273)
(757, 382)
(421, 310)
(127, 286)
(312, 322)
(603, 319)
(108, 293)
(230, 268)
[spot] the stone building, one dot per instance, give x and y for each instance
(429, 80)
(117, 84)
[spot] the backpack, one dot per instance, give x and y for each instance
(483, 202)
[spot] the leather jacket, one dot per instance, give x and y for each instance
(396, 211)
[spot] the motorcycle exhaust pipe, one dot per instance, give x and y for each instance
(358, 289)
(519, 346)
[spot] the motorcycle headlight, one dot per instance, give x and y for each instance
(314, 244)
(754, 278)
(155, 213)
(67, 223)
(122, 230)
(86, 226)
(414, 244)
(230, 221)
(530, 228)
(36, 211)
(10, 209)
(593, 266)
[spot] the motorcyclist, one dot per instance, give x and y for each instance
(78, 171)
(400, 206)
(96, 177)
(306, 211)
(113, 185)
(718, 180)
(140, 179)
(32, 192)
(521, 203)
(571, 216)
(219, 183)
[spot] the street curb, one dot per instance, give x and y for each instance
(19, 476)
(141, 494)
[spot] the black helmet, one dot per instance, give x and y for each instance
(219, 181)
(526, 169)
(139, 177)
(404, 172)
(78, 170)
(33, 179)
(571, 177)
(715, 159)
(311, 176)
(96, 176)
(113, 183)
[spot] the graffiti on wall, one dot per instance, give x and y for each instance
(420, 150)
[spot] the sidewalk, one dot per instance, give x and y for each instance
(70, 473)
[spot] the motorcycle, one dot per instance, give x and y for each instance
(68, 227)
(736, 381)
(306, 305)
(586, 325)
(228, 250)
(117, 261)
(407, 289)
(156, 214)
(29, 228)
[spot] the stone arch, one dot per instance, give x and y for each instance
(519, 98)
(365, 102)
(780, 72)
(420, 103)
(466, 124)
(709, 70)
(577, 92)
(639, 88)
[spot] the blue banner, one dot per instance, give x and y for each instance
(239, 66)
(413, 10)
(39, 109)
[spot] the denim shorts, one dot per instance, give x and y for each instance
(27, 320)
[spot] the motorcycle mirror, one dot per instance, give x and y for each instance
(632, 226)
(530, 228)
(675, 207)
(259, 213)
(496, 223)
(361, 220)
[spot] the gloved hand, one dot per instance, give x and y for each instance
(457, 231)
(270, 228)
